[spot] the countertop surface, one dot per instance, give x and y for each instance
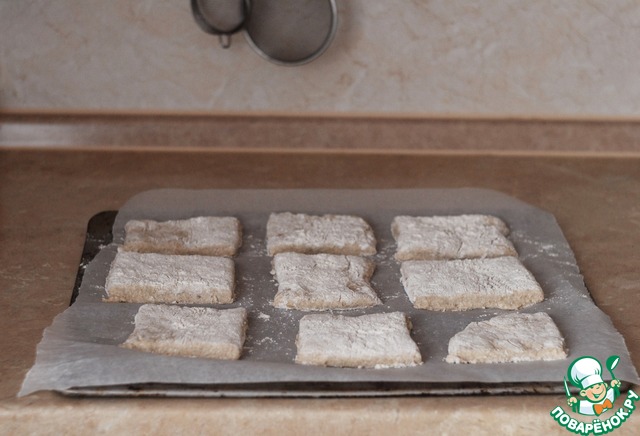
(47, 197)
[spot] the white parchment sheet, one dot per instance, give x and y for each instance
(80, 350)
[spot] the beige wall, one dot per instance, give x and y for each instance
(541, 58)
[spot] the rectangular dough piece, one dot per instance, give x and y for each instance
(208, 236)
(515, 337)
(451, 237)
(189, 331)
(323, 281)
(501, 282)
(380, 340)
(164, 278)
(311, 234)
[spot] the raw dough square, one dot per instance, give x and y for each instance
(189, 331)
(163, 278)
(323, 281)
(311, 234)
(451, 237)
(501, 282)
(379, 340)
(209, 236)
(515, 337)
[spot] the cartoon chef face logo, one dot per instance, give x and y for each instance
(595, 396)
(595, 393)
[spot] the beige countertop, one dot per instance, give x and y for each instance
(48, 195)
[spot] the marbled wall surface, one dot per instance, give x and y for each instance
(540, 58)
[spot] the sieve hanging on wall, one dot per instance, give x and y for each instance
(220, 17)
(285, 32)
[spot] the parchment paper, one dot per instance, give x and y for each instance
(80, 351)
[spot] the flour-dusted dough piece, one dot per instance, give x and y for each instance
(209, 236)
(451, 237)
(515, 337)
(379, 340)
(163, 278)
(310, 234)
(189, 331)
(501, 282)
(323, 281)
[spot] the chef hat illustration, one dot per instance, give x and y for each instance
(585, 372)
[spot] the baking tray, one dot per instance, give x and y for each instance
(100, 234)
(535, 234)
